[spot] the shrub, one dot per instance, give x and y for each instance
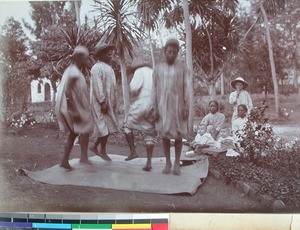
(18, 121)
(257, 138)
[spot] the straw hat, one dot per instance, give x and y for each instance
(137, 63)
(101, 46)
(239, 79)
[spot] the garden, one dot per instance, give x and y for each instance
(269, 161)
(221, 41)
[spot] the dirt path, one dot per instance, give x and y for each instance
(40, 151)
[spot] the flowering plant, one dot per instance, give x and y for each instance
(19, 120)
(257, 137)
(286, 144)
(285, 113)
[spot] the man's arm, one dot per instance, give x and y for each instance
(70, 99)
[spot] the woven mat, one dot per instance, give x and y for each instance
(122, 175)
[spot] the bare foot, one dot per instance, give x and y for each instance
(94, 150)
(104, 156)
(66, 165)
(131, 157)
(167, 169)
(176, 170)
(85, 161)
(148, 167)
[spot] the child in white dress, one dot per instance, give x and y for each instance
(225, 141)
(202, 138)
(239, 96)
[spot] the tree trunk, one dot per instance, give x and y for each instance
(222, 84)
(151, 49)
(124, 85)
(212, 91)
(295, 64)
(271, 57)
(77, 11)
(189, 60)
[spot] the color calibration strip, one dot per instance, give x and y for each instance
(84, 221)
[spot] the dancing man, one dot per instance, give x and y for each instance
(171, 102)
(136, 119)
(73, 106)
(103, 98)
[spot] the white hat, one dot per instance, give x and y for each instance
(239, 79)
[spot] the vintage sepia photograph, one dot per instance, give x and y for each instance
(150, 106)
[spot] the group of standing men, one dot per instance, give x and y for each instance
(161, 107)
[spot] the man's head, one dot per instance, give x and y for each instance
(202, 129)
(171, 50)
(242, 110)
(213, 106)
(104, 52)
(80, 56)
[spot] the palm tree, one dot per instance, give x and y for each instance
(189, 57)
(214, 15)
(271, 6)
(119, 24)
(77, 11)
(148, 12)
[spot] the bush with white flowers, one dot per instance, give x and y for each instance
(19, 121)
(257, 137)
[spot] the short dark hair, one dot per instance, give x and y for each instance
(216, 102)
(243, 106)
(172, 42)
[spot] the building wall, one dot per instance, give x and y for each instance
(43, 94)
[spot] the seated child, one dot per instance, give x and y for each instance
(202, 138)
(225, 141)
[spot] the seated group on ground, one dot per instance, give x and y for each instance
(213, 132)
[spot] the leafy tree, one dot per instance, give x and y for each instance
(50, 13)
(271, 7)
(18, 69)
(149, 12)
(211, 14)
(119, 26)
(59, 31)
(56, 46)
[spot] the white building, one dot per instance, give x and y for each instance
(41, 90)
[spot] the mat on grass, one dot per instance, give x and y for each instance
(126, 175)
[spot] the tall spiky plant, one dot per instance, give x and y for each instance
(56, 46)
(119, 24)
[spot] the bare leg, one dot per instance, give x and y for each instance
(103, 148)
(130, 140)
(94, 148)
(149, 148)
(178, 148)
(68, 147)
(84, 141)
(166, 147)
